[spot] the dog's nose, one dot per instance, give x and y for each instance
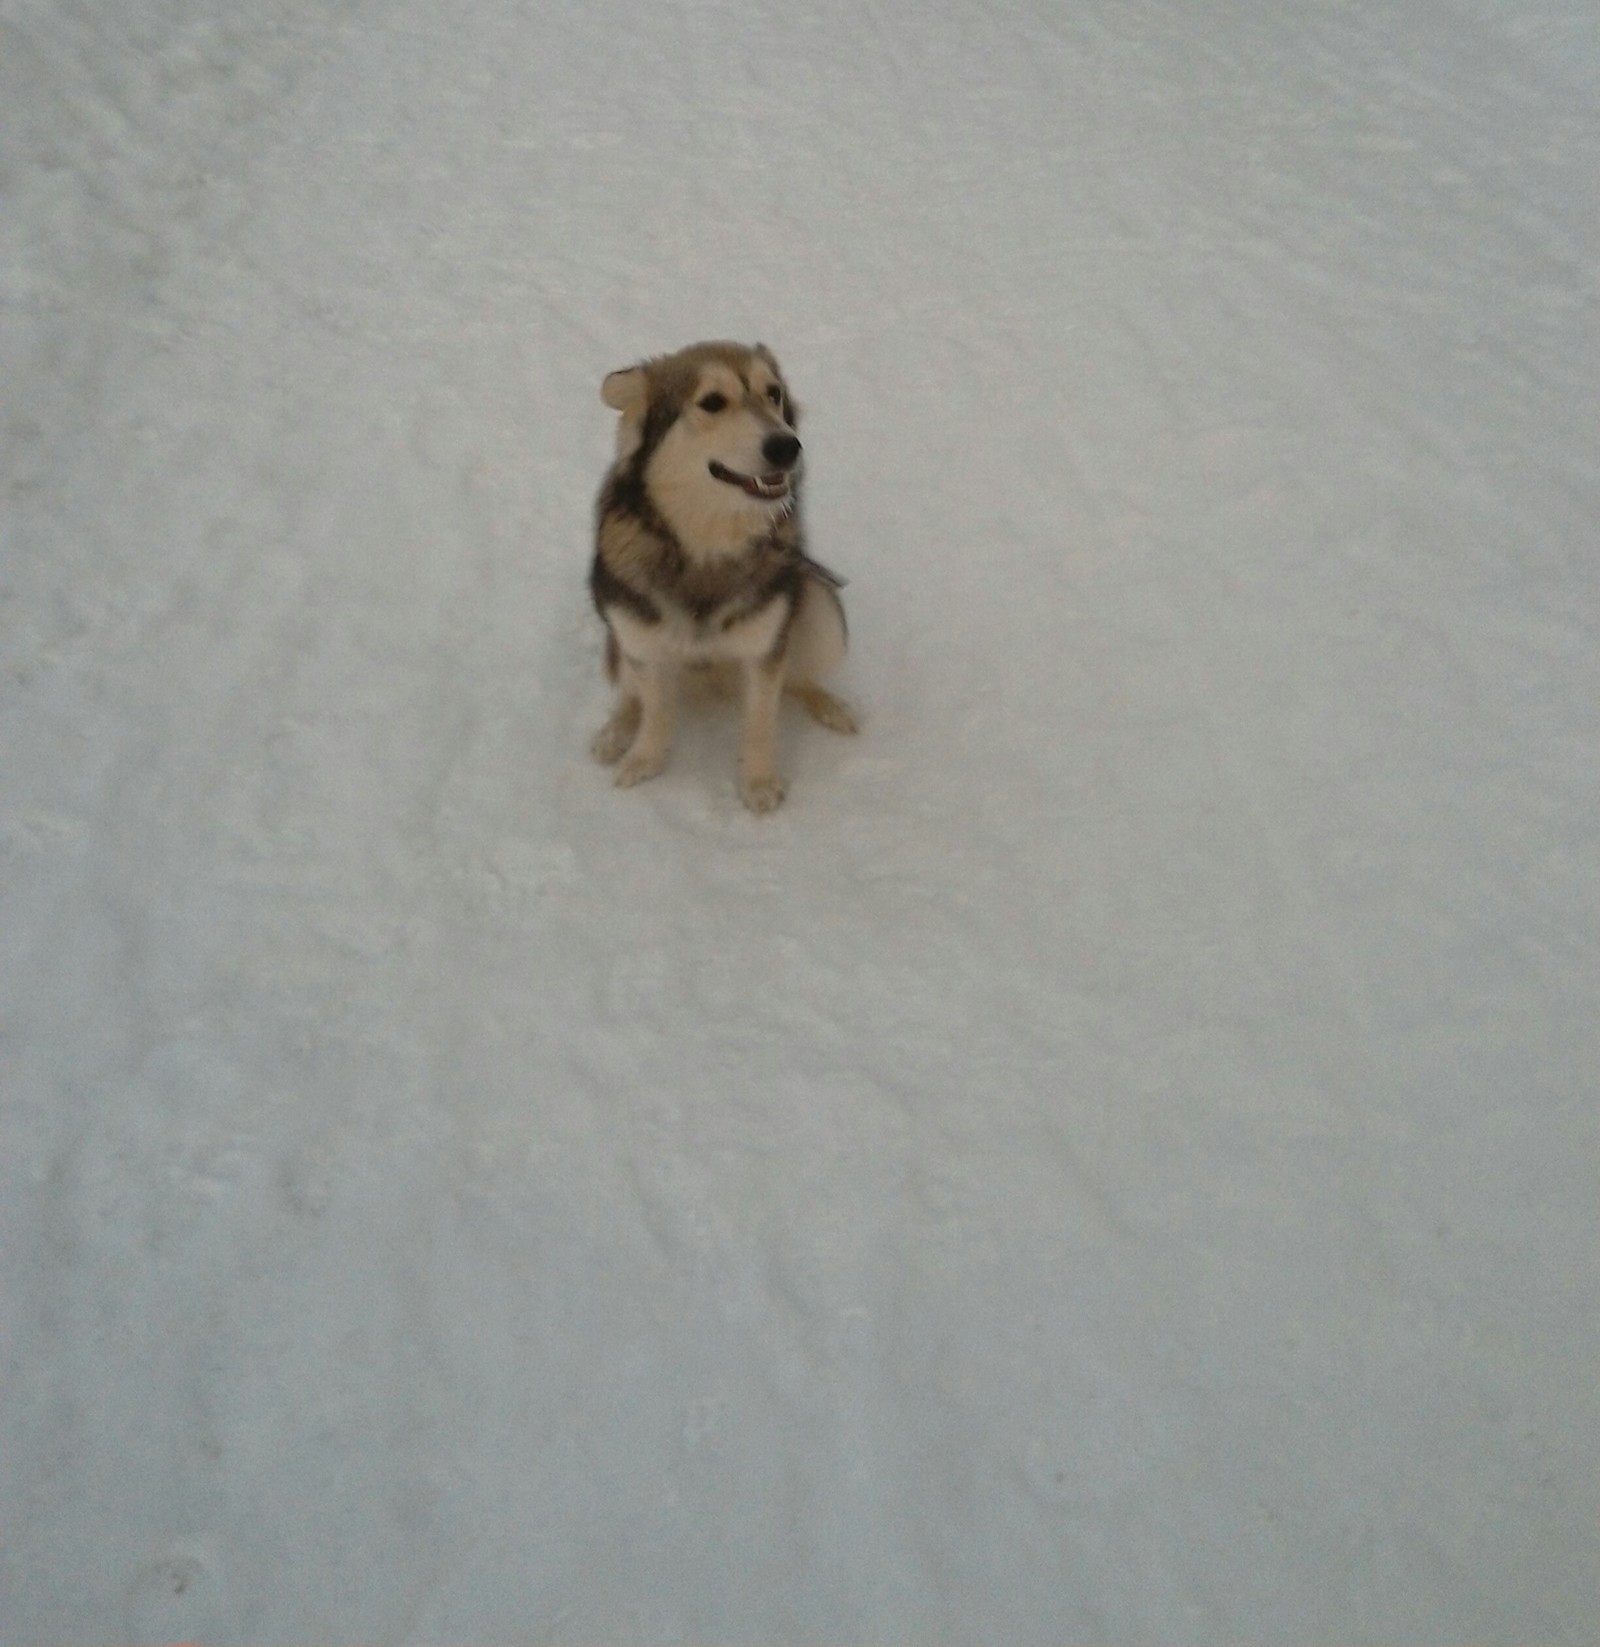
(780, 451)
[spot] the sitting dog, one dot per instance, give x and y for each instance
(700, 560)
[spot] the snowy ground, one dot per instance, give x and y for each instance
(1115, 1158)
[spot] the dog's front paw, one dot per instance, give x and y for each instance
(763, 793)
(636, 768)
(612, 741)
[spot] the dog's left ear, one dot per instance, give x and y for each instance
(625, 391)
(777, 371)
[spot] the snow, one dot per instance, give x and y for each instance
(1115, 1157)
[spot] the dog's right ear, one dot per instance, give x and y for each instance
(625, 391)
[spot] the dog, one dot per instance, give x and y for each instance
(700, 561)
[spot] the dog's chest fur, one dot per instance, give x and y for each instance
(646, 582)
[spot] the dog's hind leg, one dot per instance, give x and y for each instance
(822, 706)
(816, 649)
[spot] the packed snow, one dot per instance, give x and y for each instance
(1115, 1158)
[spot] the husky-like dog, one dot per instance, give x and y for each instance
(699, 559)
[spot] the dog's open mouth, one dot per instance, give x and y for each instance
(774, 485)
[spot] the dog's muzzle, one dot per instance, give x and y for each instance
(782, 452)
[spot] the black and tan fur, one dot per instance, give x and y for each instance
(700, 559)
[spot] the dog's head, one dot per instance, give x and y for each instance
(710, 433)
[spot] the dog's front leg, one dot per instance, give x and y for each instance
(760, 787)
(615, 738)
(652, 743)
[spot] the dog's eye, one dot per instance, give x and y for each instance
(774, 394)
(713, 402)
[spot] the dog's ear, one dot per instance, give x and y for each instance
(777, 371)
(625, 391)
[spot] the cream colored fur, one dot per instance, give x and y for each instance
(720, 528)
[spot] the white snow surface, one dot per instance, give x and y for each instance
(1115, 1157)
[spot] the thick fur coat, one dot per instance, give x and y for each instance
(700, 559)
